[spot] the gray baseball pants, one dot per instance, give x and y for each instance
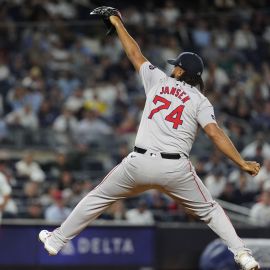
(140, 172)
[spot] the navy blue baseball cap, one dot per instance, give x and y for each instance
(190, 62)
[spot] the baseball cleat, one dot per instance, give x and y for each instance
(44, 236)
(246, 261)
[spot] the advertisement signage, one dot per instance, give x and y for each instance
(106, 246)
(94, 246)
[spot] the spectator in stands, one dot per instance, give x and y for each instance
(250, 149)
(23, 118)
(266, 74)
(57, 212)
(128, 124)
(109, 91)
(245, 185)
(57, 167)
(47, 114)
(211, 52)
(201, 34)
(176, 213)
(56, 99)
(65, 122)
(60, 9)
(215, 182)
(156, 200)
(266, 34)
(31, 193)
(116, 211)
(260, 212)
(11, 209)
(27, 167)
(121, 109)
(16, 97)
(65, 183)
(67, 81)
(133, 16)
(4, 132)
(170, 12)
(95, 104)
(258, 155)
(200, 167)
(35, 85)
(243, 181)
(236, 134)
(140, 215)
(215, 161)
(34, 211)
(5, 190)
(215, 78)
(169, 49)
(64, 125)
(221, 36)
(159, 205)
(264, 174)
(262, 120)
(4, 68)
(77, 193)
(122, 151)
(244, 38)
(91, 128)
(47, 198)
(75, 101)
(231, 194)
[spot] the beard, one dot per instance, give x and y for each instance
(178, 78)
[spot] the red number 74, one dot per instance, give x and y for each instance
(174, 116)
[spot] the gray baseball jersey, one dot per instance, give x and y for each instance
(172, 112)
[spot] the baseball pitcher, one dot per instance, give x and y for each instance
(175, 107)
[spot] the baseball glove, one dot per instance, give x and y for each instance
(105, 13)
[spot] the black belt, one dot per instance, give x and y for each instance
(163, 155)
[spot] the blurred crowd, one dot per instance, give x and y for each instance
(59, 73)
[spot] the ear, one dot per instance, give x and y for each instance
(178, 72)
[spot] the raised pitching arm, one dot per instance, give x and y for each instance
(130, 46)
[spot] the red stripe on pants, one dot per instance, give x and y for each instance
(109, 173)
(190, 168)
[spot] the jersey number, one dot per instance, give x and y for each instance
(174, 116)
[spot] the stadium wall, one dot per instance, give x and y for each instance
(169, 246)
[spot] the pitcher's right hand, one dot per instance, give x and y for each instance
(251, 167)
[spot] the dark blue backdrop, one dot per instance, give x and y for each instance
(94, 246)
